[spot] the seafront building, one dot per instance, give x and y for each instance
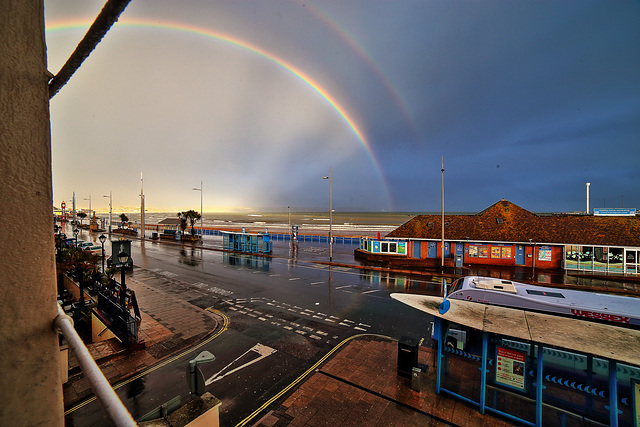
(506, 235)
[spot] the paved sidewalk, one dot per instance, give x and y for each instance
(168, 326)
(359, 386)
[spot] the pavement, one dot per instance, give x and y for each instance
(360, 386)
(169, 326)
(357, 385)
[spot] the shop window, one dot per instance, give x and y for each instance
(393, 248)
(615, 260)
(385, 247)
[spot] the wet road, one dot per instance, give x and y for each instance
(282, 315)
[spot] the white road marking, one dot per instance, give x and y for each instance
(262, 350)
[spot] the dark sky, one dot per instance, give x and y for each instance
(524, 100)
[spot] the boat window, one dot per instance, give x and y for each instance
(545, 293)
(456, 285)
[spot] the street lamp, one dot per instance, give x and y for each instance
(123, 258)
(330, 215)
(75, 235)
(89, 199)
(102, 239)
(109, 196)
(200, 190)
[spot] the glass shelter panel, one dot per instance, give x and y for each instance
(616, 264)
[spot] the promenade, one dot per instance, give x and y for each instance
(356, 384)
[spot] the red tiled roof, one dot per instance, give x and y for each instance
(507, 222)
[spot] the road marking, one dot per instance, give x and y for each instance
(294, 278)
(289, 328)
(314, 337)
(316, 283)
(274, 275)
(349, 321)
(368, 292)
(364, 324)
(330, 320)
(358, 328)
(345, 286)
(262, 350)
(300, 332)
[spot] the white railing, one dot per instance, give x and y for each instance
(109, 400)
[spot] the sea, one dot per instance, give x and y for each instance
(342, 223)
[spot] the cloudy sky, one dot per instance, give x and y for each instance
(524, 100)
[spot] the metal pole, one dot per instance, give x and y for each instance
(201, 211)
(109, 400)
(442, 244)
(289, 213)
(330, 218)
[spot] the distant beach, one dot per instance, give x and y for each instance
(343, 223)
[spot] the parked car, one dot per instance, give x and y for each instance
(96, 249)
(82, 245)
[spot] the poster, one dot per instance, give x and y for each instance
(473, 251)
(510, 368)
(506, 252)
(495, 252)
(544, 253)
(636, 402)
(402, 248)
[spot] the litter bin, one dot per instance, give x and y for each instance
(407, 356)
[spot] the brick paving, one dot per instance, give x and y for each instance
(360, 386)
(168, 326)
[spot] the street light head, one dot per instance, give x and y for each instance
(325, 177)
(123, 257)
(102, 238)
(197, 189)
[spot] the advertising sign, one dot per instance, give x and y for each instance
(510, 368)
(614, 211)
(402, 248)
(635, 395)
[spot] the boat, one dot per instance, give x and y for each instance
(592, 306)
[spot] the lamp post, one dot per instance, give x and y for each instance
(89, 199)
(75, 235)
(200, 190)
(109, 196)
(123, 258)
(330, 215)
(442, 244)
(289, 213)
(102, 239)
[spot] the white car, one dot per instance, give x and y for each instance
(82, 245)
(96, 250)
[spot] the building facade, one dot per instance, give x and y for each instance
(506, 235)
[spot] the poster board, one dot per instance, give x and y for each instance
(635, 398)
(511, 368)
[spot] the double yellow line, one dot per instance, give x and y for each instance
(225, 326)
(301, 377)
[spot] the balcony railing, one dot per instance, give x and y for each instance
(109, 400)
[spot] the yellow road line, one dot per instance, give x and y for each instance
(301, 377)
(225, 326)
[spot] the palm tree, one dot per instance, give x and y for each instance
(190, 215)
(81, 215)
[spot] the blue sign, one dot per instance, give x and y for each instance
(614, 211)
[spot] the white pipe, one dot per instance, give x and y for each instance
(111, 403)
(588, 184)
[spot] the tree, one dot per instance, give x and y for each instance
(81, 215)
(124, 219)
(191, 216)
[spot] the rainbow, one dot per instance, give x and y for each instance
(83, 24)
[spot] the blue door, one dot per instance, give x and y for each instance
(416, 249)
(432, 252)
(520, 255)
(459, 254)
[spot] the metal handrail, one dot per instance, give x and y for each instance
(109, 400)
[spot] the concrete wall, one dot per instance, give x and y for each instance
(31, 391)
